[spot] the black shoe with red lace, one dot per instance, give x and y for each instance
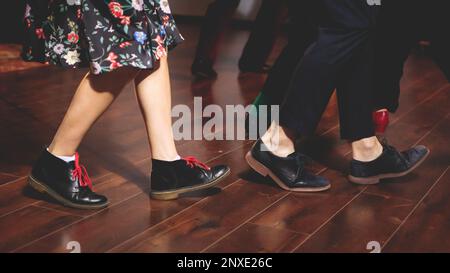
(67, 183)
(171, 178)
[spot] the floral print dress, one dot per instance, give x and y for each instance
(101, 34)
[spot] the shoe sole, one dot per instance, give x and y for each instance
(266, 172)
(174, 194)
(377, 179)
(42, 188)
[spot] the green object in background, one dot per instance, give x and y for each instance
(261, 99)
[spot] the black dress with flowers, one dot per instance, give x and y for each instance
(101, 34)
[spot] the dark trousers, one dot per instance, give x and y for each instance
(419, 20)
(341, 58)
(217, 17)
(262, 37)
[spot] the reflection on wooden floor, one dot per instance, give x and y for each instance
(245, 213)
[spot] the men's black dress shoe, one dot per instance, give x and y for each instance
(68, 183)
(169, 179)
(288, 172)
(389, 164)
(203, 70)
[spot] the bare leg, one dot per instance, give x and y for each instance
(93, 96)
(367, 149)
(279, 140)
(283, 144)
(154, 96)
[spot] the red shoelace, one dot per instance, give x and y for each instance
(191, 161)
(81, 174)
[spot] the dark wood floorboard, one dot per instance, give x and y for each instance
(207, 221)
(153, 244)
(375, 216)
(412, 187)
(305, 212)
(6, 177)
(149, 214)
(261, 239)
(426, 230)
(30, 223)
(245, 213)
(367, 218)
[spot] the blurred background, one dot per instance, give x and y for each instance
(11, 21)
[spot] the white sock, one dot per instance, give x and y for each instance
(65, 158)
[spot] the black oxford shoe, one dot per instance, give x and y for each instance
(169, 179)
(389, 164)
(288, 172)
(68, 183)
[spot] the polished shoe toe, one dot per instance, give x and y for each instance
(219, 171)
(98, 199)
(317, 181)
(415, 154)
(90, 198)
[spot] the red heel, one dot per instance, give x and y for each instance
(381, 121)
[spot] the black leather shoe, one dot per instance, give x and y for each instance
(171, 178)
(68, 183)
(288, 172)
(389, 164)
(203, 70)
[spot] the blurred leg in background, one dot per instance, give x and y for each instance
(259, 46)
(11, 27)
(438, 33)
(217, 18)
(264, 34)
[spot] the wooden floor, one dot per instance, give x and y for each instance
(245, 213)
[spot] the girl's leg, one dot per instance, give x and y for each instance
(171, 175)
(154, 96)
(69, 182)
(93, 96)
